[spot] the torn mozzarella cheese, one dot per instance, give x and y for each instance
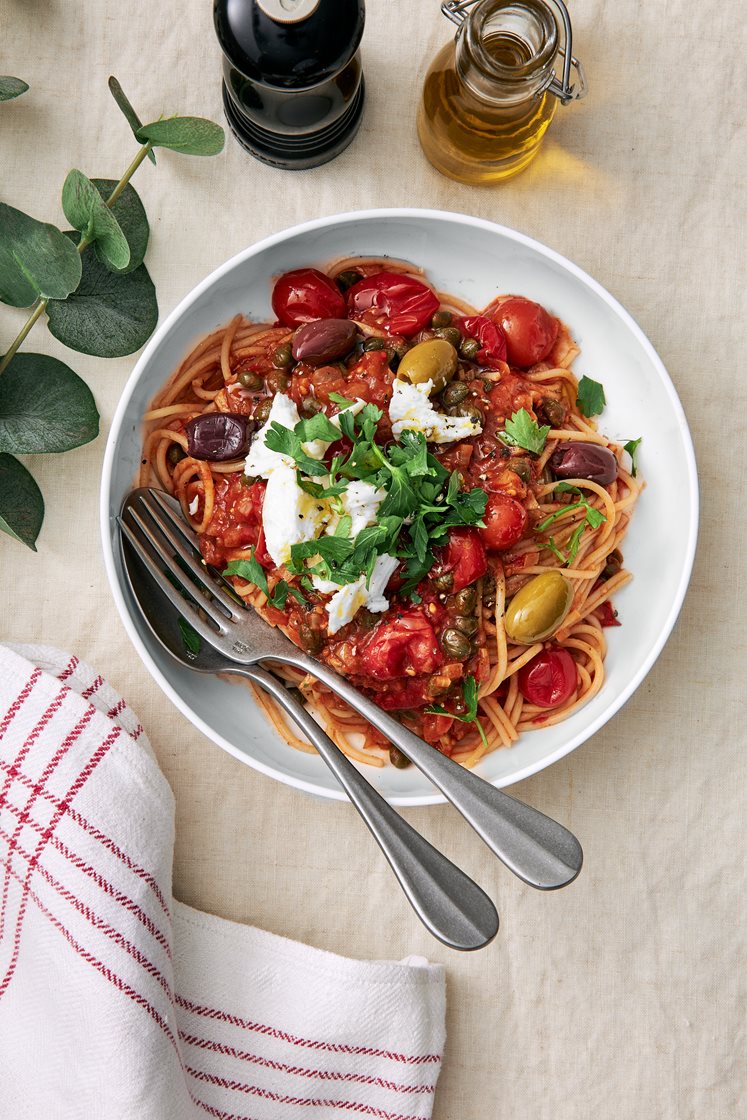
(261, 461)
(345, 603)
(289, 515)
(410, 408)
(361, 503)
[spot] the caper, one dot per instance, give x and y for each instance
(262, 410)
(469, 348)
(554, 412)
(466, 600)
(311, 640)
(454, 393)
(456, 644)
(451, 334)
(283, 356)
(250, 379)
(521, 467)
(374, 343)
(278, 380)
(488, 591)
(435, 360)
(438, 686)
(613, 564)
(441, 319)
(365, 620)
(175, 454)
(310, 406)
(469, 409)
(398, 759)
(537, 610)
(347, 278)
(467, 623)
(444, 582)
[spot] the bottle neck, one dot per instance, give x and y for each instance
(505, 50)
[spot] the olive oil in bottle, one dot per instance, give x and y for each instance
(490, 95)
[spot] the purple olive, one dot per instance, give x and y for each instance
(584, 460)
(323, 341)
(218, 436)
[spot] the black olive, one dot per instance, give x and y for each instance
(218, 436)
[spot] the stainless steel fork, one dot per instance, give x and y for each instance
(536, 848)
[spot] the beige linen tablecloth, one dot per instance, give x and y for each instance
(623, 996)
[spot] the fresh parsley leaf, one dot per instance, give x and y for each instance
(340, 401)
(590, 398)
(190, 637)
(287, 442)
(344, 525)
(469, 689)
(317, 427)
(252, 571)
(523, 431)
(632, 447)
(592, 517)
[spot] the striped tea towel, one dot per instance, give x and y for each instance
(119, 1003)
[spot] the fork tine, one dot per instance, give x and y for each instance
(167, 522)
(182, 578)
(182, 605)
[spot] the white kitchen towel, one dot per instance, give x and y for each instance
(119, 1003)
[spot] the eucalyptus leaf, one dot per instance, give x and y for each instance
(11, 87)
(124, 104)
(36, 259)
(130, 213)
(85, 209)
(44, 407)
(192, 136)
(21, 502)
(107, 315)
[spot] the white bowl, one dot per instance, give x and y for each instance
(473, 259)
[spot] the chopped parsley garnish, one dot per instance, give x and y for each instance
(593, 518)
(423, 500)
(523, 431)
(190, 637)
(632, 447)
(469, 689)
(252, 571)
(590, 398)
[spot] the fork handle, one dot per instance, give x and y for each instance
(536, 848)
(447, 901)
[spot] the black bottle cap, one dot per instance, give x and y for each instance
(290, 44)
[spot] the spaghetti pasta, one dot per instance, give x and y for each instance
(442, 646)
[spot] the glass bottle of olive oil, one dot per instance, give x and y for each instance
(490, 95)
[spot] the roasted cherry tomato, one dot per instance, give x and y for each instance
(404, 646)
(608, 614)
(505, 522)
(398, 304)
(530, 331)
(549, 679)
(490, 336)
(305, 295)
(464, 557)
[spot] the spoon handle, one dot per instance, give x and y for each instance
(447, 901)
(536, 848)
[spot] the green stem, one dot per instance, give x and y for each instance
(83, 244)
(38, 309)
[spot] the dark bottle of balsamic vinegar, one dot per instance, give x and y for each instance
(293, 86)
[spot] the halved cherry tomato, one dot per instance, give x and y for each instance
(505, 522)
(549, 679)
(305, 295)
(404, 646)
(398, 304)
(464, 557)
(490, 336)
(530, 331)
(608, 614)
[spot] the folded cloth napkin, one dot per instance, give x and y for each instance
(117, 1001)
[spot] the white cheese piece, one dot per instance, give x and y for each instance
(361, 503)
(192, 507)
(345, 603)
(289, 515)
(261, 461)
(410, 408)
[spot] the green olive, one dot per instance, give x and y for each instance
(435, 360)
(455, 393)
(537, 610)
(456, 644)
(441, 319)
(248, 379)
(451, 334)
